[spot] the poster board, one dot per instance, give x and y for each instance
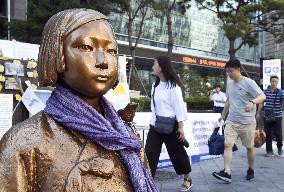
(198, 128)
(271, 67)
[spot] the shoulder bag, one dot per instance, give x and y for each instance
(163, 125)
(269, 113)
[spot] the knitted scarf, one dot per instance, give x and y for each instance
(109, 131)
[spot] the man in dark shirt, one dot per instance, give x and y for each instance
(273, 107)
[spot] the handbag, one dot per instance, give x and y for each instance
(269, 116)
(163, 125)
(259, 139)
(216, 143)
(269, 113)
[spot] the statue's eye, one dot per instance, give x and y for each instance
(84, 47)
(112, 51)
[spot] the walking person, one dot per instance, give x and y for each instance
(219, 98)
(273, 116)
(167, 101)
(242, 96)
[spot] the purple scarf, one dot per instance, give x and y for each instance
(109, 131)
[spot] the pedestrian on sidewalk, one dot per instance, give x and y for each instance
(219, 98)
(167, 101)
(242, 96)
(273, 108)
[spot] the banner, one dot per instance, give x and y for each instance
(271, 67)
(197, 129)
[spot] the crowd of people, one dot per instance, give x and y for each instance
(80, 143)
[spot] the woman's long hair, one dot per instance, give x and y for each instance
(169, 72)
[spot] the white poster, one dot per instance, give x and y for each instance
(122, 78)
(6, 113)
(198, 128)
(271, 67)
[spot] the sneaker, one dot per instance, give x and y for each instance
(269, 154)
(186, 185)
(222, 175)
(250, 174)
(280, 152)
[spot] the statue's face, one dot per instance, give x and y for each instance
(90, 54)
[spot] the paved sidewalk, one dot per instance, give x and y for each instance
(269, 175)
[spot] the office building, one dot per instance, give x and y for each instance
(199, 44)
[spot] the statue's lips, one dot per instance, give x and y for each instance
(102, 78)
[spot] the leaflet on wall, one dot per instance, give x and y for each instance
(14, 69)
(1, 68)
(2, 78)
(12, 83)
(6, 113)
(31, 64)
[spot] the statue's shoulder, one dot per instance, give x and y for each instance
(30, 132)
(31, 125)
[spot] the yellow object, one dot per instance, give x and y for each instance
(17, 61)
(4, 58)
(18, 97)
(1, 68)
(2, 78)
(31, 64)
(35, 73)
(120, 89)
(1, 87)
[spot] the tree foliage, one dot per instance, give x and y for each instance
(244, 19)
(39, 11)
(194, 84)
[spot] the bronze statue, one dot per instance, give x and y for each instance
(79, 142)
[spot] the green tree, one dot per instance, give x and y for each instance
(194, 84)
(39, 11)
(244, 19)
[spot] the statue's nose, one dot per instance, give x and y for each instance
(101, 60)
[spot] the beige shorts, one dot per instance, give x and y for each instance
(246, 132)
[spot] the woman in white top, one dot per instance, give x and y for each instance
(168, 103)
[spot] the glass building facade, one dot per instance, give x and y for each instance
(196, 33)
(196, 30)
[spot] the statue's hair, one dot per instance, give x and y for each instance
(51, 52)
